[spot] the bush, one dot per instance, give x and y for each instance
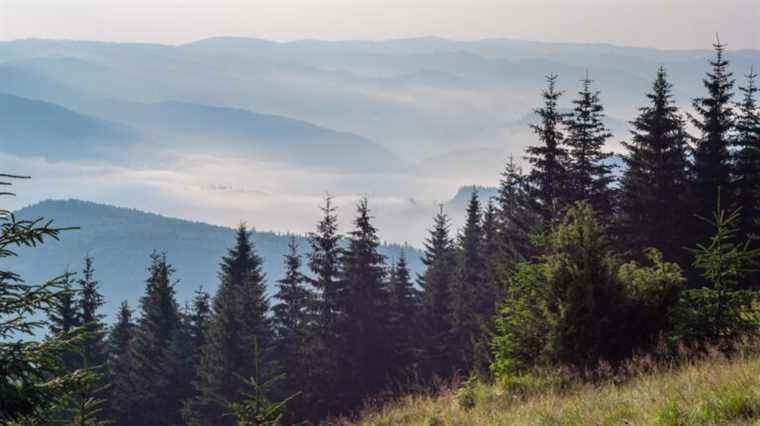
(578, 305)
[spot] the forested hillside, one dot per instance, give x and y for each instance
(120, 240)
(577, 272)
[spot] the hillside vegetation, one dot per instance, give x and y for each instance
(708, 392)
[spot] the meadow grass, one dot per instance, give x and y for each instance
(712, 390)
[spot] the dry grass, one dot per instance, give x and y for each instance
(709, 391)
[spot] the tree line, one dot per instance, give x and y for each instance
(569, 265)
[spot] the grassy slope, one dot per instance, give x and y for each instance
(712, 392)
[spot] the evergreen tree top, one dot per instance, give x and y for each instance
(748, 120)
(325, 246)
(714, 112)
(439, 243)
(241, 264)
(91, 300)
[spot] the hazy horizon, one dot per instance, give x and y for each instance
(578, 21)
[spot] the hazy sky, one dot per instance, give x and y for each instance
(660, 23)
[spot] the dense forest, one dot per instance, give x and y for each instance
(571, 265)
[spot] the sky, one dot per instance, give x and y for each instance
(667, 24)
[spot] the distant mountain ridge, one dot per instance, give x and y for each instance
(31, 127)
(121, 239)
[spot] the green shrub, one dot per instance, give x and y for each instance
(578, 305)
(466, 396)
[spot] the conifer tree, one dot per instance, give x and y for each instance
(64, 316)
(747, 165)
(89, 304)
(324, 264)
(654, 211)
(590, 175)
(186, 348)
(120, 408)
(404, 310)
(197, 321)
(469, 283)
(33, 375)
(294, 331)
(721, 309)
(714, 119)
(363, 303)
(549, 159)
(439, 259)
(517, 216)
(153, 366)
(490, 295)
(239, 319)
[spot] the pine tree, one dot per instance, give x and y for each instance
(469, 282)
(256, 408)
(186, 349)
(324, 265)
(198, 319)
(404, 311)
(590, 175)
(518, 217)
(120, 407)
(747, 166)
(33, 375)
(439, 260)
(490, 295)
(64, 318)
(363, 304)
(239, 319)
(721, 309)
(714, 118)
(294, 330)
(153, 367)
(654, 211)
(549, 160)
(89, 303)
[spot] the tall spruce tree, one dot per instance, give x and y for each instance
(469, 282)
(195, 317)
(404, 331)
(89, 304)
(239, 321)
(294, 330)
(198, 319)
(714, 119)
(517, 217)
(549, 159)
(120, 407)
(324, 264)
(489, 296)
(747, 164)
(153, 376)
(64, 318)
(590, 173)
(439, 261)
(363, 303)
(654, 209)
